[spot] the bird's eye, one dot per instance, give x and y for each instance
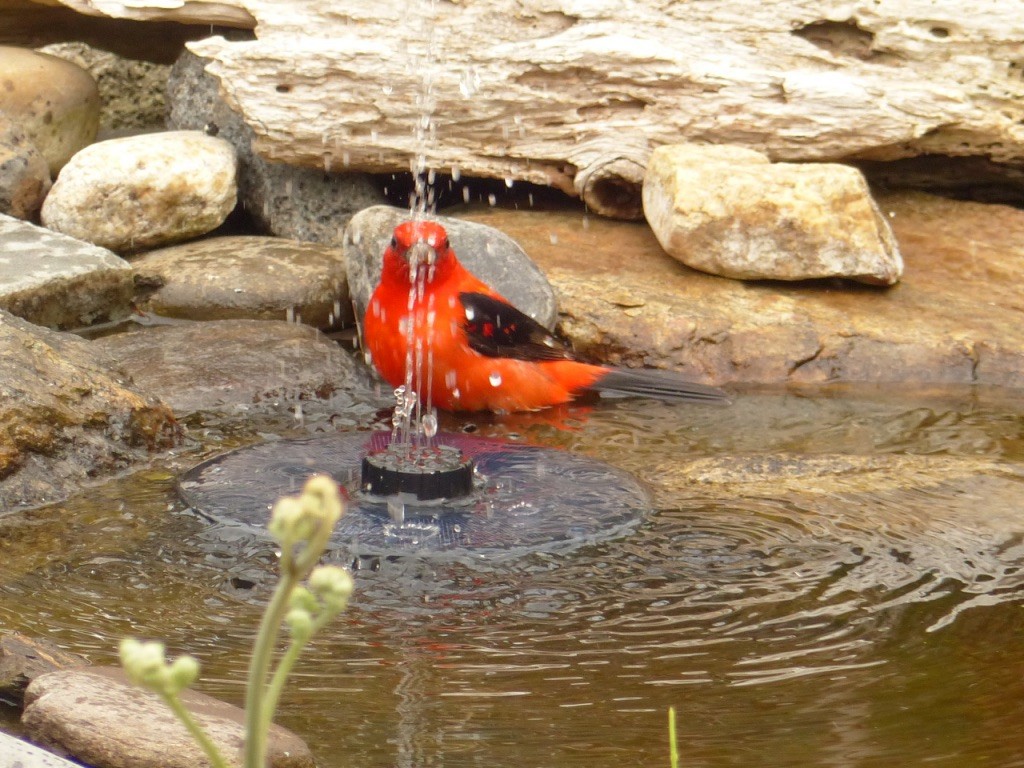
(394, 242)
(444, 244)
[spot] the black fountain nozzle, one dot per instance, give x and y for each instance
(426, 472)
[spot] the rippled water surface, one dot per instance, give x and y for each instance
(827, 578)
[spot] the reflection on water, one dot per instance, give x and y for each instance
(827, 581)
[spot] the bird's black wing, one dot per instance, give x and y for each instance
(497, 329)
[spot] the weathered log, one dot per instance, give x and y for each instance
(576, 93)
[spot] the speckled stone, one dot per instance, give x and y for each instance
(24, 174)
(56, 102)
(144, 191)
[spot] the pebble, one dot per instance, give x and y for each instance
(264, 278)
(54, 280)
(729, 211)
(488, 253)
(98, 717)
(24, 173)
(55, 101)
(144, 191)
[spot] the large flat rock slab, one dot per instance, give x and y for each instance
(57, 281)
(955, 317)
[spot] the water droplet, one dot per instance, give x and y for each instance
(396, 510)
(456, 173)
(495, 379)
(429, 424)
(465, 194)
(509, 181)
(529, 199)
(456, 394)
(470, 313)
(492, 199)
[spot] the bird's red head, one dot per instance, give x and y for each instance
(416, 244)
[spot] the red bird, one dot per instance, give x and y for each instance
(473, 349)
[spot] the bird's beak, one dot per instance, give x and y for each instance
(421, 252)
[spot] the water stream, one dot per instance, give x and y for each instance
(828, 578)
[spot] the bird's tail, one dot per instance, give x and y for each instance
(662, 385)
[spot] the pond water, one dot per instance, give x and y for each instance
(830, 577)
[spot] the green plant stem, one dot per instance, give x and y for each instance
(201, 737)
(287, 662)
(673, 746)
(259, 666)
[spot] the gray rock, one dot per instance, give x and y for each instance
(15, 753)
(54, 280)
(55, 101)
(66, 416)
(131, 91)
(262, 278)
(24, 658)
(98, 717)
(144, 191)
(488, 253)
(729, 211)
(311, 204)
(24, 174)
(228, 364)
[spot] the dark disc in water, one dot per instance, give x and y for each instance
(524, 498)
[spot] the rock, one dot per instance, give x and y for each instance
(311, 204)
(131, 91)
(488, 253)
(547, 91)
(99, 718)
(53, 280)
(947, 321)
(232, 364)
(144, 191)
(729, 212)
(24, 174)
(24, 658)
(262, 278)
(15, 753)
(66, 416)
(55, 101)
